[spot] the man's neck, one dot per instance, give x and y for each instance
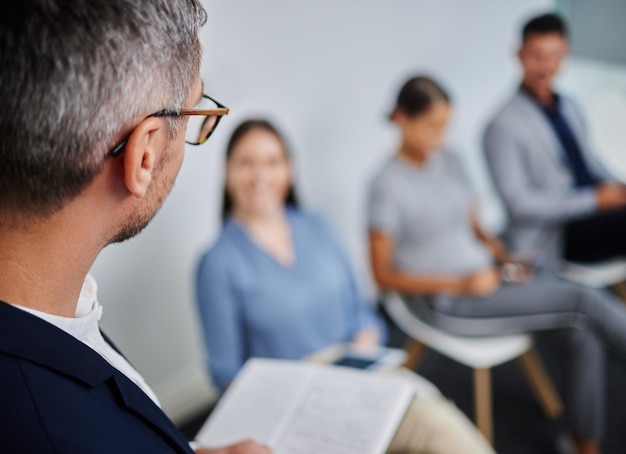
(44, 264)
(544, 95)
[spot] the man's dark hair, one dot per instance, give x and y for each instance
(543, 25)
(74, 74)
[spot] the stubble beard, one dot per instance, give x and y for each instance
(157, 192)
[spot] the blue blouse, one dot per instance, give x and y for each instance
(253, 306)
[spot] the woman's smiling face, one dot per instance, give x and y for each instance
(258, 173)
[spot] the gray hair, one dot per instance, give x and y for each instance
(74, 75)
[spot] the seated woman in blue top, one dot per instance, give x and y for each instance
(276, 283)
(426, 240)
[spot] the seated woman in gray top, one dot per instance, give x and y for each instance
(426, 240)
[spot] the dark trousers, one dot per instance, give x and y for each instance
(596, 238)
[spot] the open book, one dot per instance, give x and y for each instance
(302, 408)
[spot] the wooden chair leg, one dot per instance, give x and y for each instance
(415, 351)
(482, 402)
(620, 290)
(541, 383)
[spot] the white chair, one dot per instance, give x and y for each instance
(479, 353)
(611, 273)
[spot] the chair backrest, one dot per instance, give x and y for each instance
(475, 352)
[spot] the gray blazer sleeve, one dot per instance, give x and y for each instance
(523, 200)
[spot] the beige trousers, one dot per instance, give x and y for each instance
(434, 425)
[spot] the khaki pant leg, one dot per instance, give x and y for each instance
(437, 426)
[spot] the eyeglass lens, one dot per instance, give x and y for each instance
(199, 127)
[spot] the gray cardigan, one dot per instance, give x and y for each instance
(533, 179)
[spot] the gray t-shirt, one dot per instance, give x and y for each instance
(426, 211)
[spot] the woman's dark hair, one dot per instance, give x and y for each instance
(544, 25)
(417, 95)
(240, 131)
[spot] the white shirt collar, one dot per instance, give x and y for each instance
(88, 312)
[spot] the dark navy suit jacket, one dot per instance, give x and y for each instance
(58, 395)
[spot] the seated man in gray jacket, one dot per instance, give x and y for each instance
(560, 201)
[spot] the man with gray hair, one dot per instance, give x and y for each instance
(97, 97)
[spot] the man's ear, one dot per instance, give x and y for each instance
(141, 153)
(400, 118)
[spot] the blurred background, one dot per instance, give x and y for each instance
(326, 73)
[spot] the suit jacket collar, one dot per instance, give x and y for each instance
(26, 336)
(30, 338)
(556, 98)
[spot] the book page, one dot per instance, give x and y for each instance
(302, 408)
(346, 411)
(256, 404)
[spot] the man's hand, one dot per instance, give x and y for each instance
(610, 196)
(481, 283)
(244, 447)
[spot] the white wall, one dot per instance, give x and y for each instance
(600, 90)
(326, 72)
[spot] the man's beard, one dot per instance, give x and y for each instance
(157, 192)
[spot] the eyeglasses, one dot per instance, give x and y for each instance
(204, 118)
